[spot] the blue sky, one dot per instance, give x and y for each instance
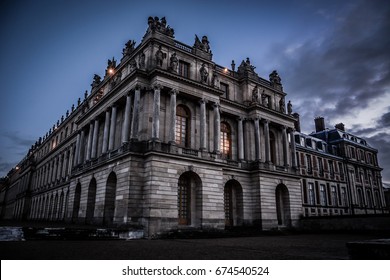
(333, 57)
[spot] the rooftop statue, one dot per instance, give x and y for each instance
(155, 24)
(202, 45)
(274, 78)
(129, 48)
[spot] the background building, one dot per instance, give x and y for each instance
(168, 139)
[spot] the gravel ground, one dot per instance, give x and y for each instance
(279, 247)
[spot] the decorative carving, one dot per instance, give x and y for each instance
(160, 56)
(289, 107)
(203, 73)
(174, 62)
(233, 65)
(255, 94)
(129, 48)
(155, 24)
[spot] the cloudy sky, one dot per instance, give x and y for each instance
(333, 57)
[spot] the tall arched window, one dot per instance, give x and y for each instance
(226, 139)
(272, 141)
(182, 126)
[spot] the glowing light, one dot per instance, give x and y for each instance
(111, 71)
(225, 70)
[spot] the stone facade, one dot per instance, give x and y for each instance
(168, 139)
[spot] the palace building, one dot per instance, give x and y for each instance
(168, 139)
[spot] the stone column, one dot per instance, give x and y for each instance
(240, 140)
(285, 146)
(172, 121)
(126, 123)
(106, 131)
(267, 142)
(60, 164)
(217, 129)
(111, 141)
(293, 149)
(81, 148)
(76, 157)
(203, 125)
(89, 143)
(257, 139)
(55, 168)
(95, 138)
(156, 112)
(135, 119)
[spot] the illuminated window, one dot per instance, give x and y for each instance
(182, 126)
(184, 69)
(226, 139)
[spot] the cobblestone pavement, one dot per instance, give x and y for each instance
(295, 246)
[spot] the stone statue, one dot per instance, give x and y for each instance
(85, 94)
(282, 105)
(129, 48)
(255, 94)
(79, 101)
(141, 62)
(67, 113)
(160, 56)
(264, 99)
(72, 107)
(289, 107)
(274, 78)
(96, 81)
(203, 73)
(155, 24)
(202, 45)
(132, 64)
(174, 62)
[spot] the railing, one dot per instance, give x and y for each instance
(183, 47)
(192, 152)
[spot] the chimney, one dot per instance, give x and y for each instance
(297, 123)
(320, 124)
(340, 126)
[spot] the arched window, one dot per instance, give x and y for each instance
(182, 126)
(226, 140)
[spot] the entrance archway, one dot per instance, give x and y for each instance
(283, 205)
(233, 203)
(189, 199)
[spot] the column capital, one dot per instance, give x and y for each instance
(265, 121)
(216, 105)
(291, 129)
(174, 91)
(137, 86)
(157, 86)
(203, 101)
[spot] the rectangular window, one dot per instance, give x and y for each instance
(333, 195)
(320, 167)
(331, 168)
(311, 194)
(353, 153)
(309, 165)
(344, 201)
(184, 68)
(322, 195)
(225, 88)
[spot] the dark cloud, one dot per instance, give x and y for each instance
(17, 140)
(345, 68)
(342, 71)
